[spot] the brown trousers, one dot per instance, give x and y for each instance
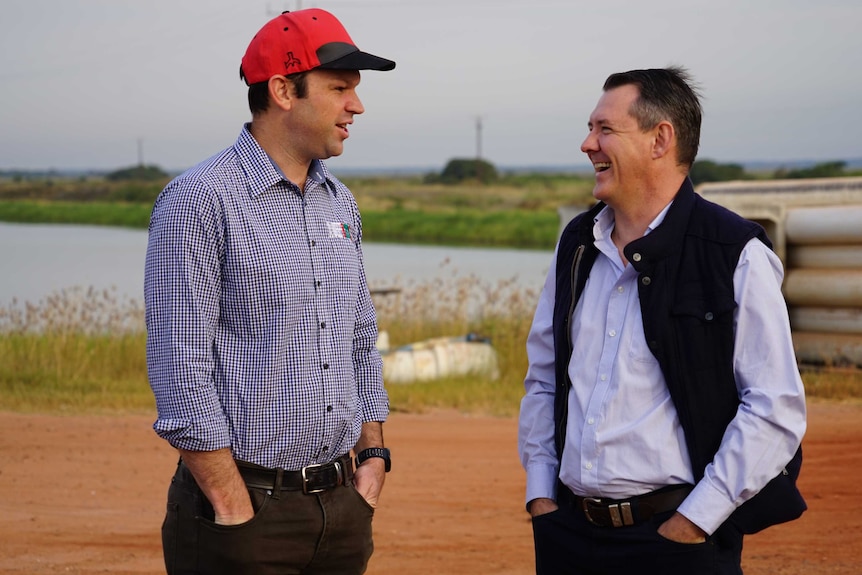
(291, 533)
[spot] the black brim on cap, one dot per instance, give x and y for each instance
(341, 56)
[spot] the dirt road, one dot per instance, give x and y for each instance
(85, 495)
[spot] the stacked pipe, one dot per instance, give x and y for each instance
(823, 283)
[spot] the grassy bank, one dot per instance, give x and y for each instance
(84, 352)
(521, 213)
(468, 227)
(127, 215)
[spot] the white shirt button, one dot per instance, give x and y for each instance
(612, 333)
(589, 466)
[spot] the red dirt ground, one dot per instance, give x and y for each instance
(85, 495)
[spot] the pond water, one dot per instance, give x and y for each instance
(37, 260)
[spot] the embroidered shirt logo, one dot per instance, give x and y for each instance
(338, 230)
(291, 61)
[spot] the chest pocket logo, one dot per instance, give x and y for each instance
(338, 230)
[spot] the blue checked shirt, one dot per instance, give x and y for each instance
(260, 328)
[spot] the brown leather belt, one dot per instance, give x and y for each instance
(625, 512)
(309, 479)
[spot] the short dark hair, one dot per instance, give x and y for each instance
(258, 94)
(666, 94)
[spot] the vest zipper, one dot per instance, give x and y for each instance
(576, 264)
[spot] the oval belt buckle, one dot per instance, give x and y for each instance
(585, 504)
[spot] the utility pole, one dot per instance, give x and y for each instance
(478, 137)
(479, 170)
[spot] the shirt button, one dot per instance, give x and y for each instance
(709, 316)
(589, 465)
(313, 243)
(591, 421)
(325, 366)
(328, 408)
(604, 377)
(323, 324)
(646, 280)
(317, 283)
(636, 257)
(612, 333)
(621, 289)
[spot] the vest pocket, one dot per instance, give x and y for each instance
(704, 330)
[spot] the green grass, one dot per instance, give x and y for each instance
(465, 227)
(520, 212)
(75, 351)
(120, 214)
(83, 351)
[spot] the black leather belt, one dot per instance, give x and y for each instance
(624, 512)
(309, 479)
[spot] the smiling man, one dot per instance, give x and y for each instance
(664, 410)
(260, 327)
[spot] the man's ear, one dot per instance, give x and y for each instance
(664, 140)
(281, 92)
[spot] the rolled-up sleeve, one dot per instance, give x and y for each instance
(367, 362)
(181, 293)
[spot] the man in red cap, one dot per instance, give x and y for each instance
(260, 327)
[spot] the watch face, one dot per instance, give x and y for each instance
(381, 452)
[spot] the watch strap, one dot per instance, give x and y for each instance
(381, 452)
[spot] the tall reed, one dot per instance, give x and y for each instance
(75, 350)
(82, 350)
(500, 311)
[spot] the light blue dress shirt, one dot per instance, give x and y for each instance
(624, 437)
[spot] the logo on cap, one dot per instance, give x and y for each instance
(292, 61)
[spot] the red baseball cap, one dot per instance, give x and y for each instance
(302, 40)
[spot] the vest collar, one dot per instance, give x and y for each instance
(666, 239)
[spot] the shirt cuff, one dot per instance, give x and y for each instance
(542, 482)
(706, 507)
(183, 434)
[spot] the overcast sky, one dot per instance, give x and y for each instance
(82, 82)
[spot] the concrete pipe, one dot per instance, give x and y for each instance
(828, 349)
(823, 287)
(824, 225)
(842, 257)
(831, 320)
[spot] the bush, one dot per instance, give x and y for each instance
(137, 173)
(460, 169)
(709, 171)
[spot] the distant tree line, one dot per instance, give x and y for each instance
(709, 171)
(461, 170)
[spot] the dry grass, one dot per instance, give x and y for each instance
(76, 350)
(84, 350)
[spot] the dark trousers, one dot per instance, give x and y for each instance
(567, 544)
(291, 533)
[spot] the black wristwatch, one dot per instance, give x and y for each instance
(380, 452)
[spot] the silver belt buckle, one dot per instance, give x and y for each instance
(338, 481)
